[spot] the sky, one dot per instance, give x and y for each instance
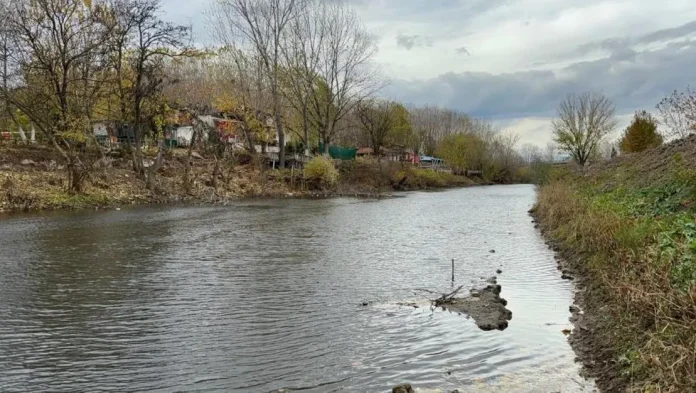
(512, 62)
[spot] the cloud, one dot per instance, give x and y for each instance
(619, 46)
(633, 80)
(409, 42)
(529, 54)
(462, 51)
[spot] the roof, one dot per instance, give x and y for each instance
(365, 150)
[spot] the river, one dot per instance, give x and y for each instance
(267, 294)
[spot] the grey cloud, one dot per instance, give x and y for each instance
(636, 84)
(406, 41)
(667, 34)
(463, 51)
(618, 46)
(409, 42)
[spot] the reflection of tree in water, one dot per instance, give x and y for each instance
(83, 287)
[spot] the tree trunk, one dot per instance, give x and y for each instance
(189, 154)
(281, 139)
(138, 152)
(76, 171)
(305, 125)
(277, 118)
(216, 173)
(76, 175)
(151, 181)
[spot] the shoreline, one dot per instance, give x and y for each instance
(87, 201)
(625, 230)
(588, 336)
(32, 178)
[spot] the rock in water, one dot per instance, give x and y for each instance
(403, 388)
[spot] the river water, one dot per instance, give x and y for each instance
(265, 295)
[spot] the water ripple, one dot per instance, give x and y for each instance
(267, 295)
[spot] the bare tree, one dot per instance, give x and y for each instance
(5, 68)
(151, 41)
(377, 121)
(678, 113)
(58, 46)
(550, 153)
(531, 153)
(504, 152)
(302, 49)
(344, 75)
(432, 124)
(258, 26)
(582, 124)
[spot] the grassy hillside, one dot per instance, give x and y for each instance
(627, 229)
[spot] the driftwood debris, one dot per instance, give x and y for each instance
(485, 305)
(447, 298)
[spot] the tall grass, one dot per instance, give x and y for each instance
(643, 266)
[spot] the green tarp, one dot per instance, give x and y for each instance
(340, 153)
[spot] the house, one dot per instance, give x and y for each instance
(229, 130)
(412, 157)
(178, 136)
(365, 152)
(106, 131)
(396, 154)
(430, 162)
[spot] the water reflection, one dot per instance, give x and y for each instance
(267, 295)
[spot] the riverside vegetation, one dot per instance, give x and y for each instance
(273, 79)
(626, 228)
(31, 178)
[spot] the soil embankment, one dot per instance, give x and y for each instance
(34, 178)
(625, 231)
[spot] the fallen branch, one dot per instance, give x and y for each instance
(448, 297)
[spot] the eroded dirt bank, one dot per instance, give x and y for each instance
(34, 178)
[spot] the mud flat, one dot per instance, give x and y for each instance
(485, 306)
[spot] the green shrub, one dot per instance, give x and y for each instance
(417, 178)
(321, 171)
(641, 135)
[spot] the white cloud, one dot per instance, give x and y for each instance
(537, 130)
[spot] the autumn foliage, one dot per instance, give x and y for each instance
(641, 134)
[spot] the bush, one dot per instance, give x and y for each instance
(417, 178)
(321, 171)
(641, 134)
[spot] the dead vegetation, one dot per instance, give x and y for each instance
(627, 230)
(32, 179)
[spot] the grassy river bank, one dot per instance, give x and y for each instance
(625, 229)
(32, 178)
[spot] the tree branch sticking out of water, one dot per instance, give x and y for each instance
(447, 298)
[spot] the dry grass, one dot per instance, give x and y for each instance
(33, 177)
(646, 319)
